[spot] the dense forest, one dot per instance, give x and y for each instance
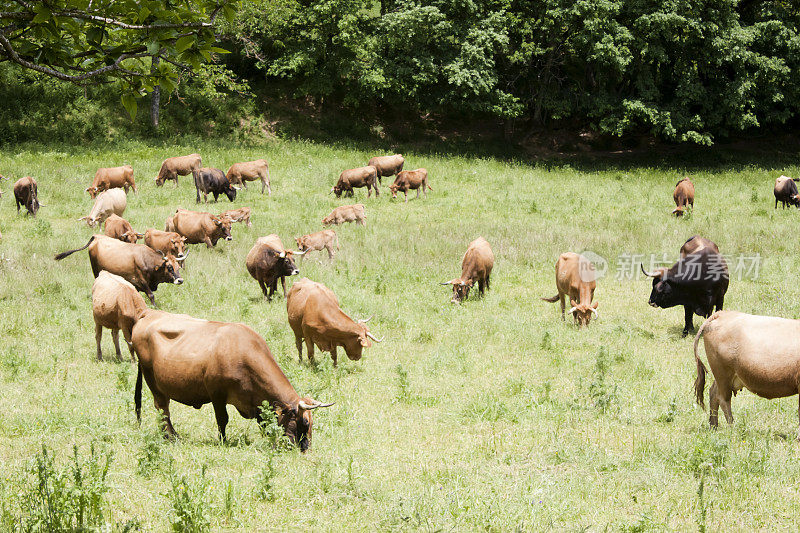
(695, 71)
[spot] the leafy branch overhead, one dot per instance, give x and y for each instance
(94, 41)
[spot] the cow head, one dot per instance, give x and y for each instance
(678, 211)
(92, 222)
(795, 200)
(223, 224)
(169, 269)
(130, 236)
(301, 243)
(663, 294)
(328, 220)
(177, 243)
(583, 312)
(337, 190)
(394, 188)
(92, 191)
(230, 190)
(460, 289)
(297, 421)
(361, 339)
(285, 265)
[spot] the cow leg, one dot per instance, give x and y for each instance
(720, 302)
(264, 289)
(126, 333)
(689, 324)
(299, 343)
(713, 406)
(334, 355)
(369, 191)
(283, 283)
(162, 404)
(724, 394)
(481, 286)
(150, 295)
(377, 192)
(95, 266)
(208, 242)
(331, 253)
(115, 336)
(221, 413)
(98, 334)
(310, 350)
(563, 307)
(417, 193)
(487, 282)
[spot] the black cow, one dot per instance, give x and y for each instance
(213, 181)
(698, 282)
(268, 262)
(786, 192)
(26, 193)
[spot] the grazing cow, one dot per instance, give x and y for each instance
(107, 203)
(683, 196)
(111, 178)
(476, 266)
(196, 362)
(387, 165)
(355, 178)
(183, 165)
(315, 315)
(166, 242)
(575, 278)
(138, 264)
(241, 173)
(410, 180)
(116, 305)
(759, 353)
(698, 282)
(119, 228)
(213, 181)
(321, 240)
(238, 215)
(269, 261)
(200, 227)
(26, 193)
(786, 192)
(346, 213)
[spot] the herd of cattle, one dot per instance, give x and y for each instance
(194, 361)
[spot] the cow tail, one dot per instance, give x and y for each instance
(62, 255)
(700, 381)
(551, 300)
(137, 394)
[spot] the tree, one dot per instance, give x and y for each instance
(143, 44)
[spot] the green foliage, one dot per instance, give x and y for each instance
(189, 504)
(272, 432)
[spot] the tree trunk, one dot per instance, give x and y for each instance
(155, 96)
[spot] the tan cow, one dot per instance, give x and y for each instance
(346, 213)
(116, 305)
(575, 278)
(695, 244)
(107, 203)
(166, 242)
(410, 180)
(238, 215)
(119, 228)
(196, 362)
(477, 266)
(759, 353)
(683, 196)
(315, 315)
(356, 178)
(268, 261)
(111, 178)
(387, 165)
(183, 165)
(200, 227)
(321, 240)
(241, 173)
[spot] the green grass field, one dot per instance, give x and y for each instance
(492, 415)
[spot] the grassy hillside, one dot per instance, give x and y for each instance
(489, 415)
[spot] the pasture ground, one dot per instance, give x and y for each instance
(489, 415)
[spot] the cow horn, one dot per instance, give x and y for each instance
(572, 310)
(371, 336)
(300, 253)
(140, 235)
(237, 188)
(162, 254)
(365, 320)
(303, 405)
(282, 254)
(182, 256)
(446, 283)
(593, 310)
(648, 274)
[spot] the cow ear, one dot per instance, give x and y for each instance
(573, 303)
(365, 342)
(594, 305)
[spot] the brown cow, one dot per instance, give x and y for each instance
(411, 179)
(387, 165)
(183, 165)
(200, 227)
(196, 362)
(107, 203)
(238, 215)
(355, 178)
(683, 196)
(136, 263)
(241, 173)
(476, 266)
(26, 193)
(119, 228)
(116, 305)
(346, 213)
(269, 261)
(321, 240)
(315, 315)
(110, 178)
(575, 278)
(166, 242)
(786, 192)
(759, 353)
